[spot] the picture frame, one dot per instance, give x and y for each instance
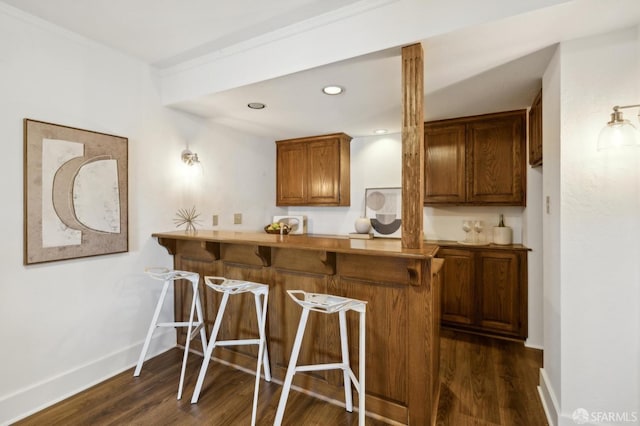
(383, 206)
(75, 193)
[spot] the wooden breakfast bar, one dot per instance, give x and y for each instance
(400, 285)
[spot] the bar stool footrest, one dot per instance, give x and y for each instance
(320, 367)
(237, 342)
(178, 324)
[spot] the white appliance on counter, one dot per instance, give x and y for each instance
(297, 224)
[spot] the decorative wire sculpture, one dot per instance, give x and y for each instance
(187, 217)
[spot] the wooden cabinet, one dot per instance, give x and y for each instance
(401, 287)
(499, 291)
(496, 158)
(313, 171)
(291, 166)
(477, 160)
(458, 290)
(445, 158)
(485, 290)
(535, 131)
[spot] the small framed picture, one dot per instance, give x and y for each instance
(384, 208)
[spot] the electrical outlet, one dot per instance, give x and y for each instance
(214, 220)
(237, 218)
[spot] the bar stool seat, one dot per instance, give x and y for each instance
(328, 304)
(193, 327)
(231, 287)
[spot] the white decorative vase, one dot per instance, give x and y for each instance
(363, 225)
(502, 235)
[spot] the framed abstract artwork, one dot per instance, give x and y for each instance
(75, 193)
(384, 208)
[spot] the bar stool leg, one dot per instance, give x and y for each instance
(194, 301)
(361, 371)
(152, 328)
(203, 331)
(261, 313)
(291, 370)
(210, 347)
(344, 345)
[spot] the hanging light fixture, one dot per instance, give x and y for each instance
(619, 132)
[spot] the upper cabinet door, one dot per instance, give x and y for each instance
(535, 131)
(478, 160)
(314, 171)
(324, 172)
(291, 170)
(496, 159)
(444, 163)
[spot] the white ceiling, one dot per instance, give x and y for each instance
(495, 66)
(166, 32)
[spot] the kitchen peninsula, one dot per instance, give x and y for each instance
(400, 285)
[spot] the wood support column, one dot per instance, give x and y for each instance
(412, 145)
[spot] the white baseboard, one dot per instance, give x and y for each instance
(38, 396)
(548, 399)
(528, 344)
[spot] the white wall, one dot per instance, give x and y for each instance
(238, 177)
(69, 324)
(594, 364)
(550, 376)
(599, 221)
(532, 238)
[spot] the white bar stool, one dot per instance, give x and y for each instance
(193, 327)
(229, 287)
(328, 304)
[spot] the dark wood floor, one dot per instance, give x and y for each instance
(487, 381)
(484, 382)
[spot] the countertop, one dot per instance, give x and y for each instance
(492, 246)
(338, 244)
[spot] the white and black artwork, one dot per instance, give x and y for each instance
(384, 208)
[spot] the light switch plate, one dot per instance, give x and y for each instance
(548, 205)
(214, 220)
(237, 218)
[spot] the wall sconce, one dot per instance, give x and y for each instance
(619, 132)
(190, 158)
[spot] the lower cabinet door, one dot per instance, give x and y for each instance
(458, 292)
(485, 291)
(498, 291)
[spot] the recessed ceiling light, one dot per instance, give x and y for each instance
(256, 105)
(380, 131)
(332, 90)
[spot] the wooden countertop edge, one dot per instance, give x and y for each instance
(436, 265)
(492, 246)
(336, 244)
